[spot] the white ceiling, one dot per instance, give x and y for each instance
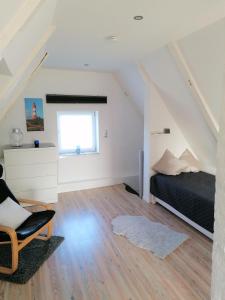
(10, 8)
(83, 25)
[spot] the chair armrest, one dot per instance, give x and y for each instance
(35, 203)
(10, 231)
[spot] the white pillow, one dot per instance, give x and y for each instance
(193, 163)
(12, 214)
(169, 164)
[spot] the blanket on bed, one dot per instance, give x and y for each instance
(192, 194)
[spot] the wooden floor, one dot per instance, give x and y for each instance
(95, 264)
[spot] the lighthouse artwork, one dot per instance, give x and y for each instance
(34, 111)
(34, 114)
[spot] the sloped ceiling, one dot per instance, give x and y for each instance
(182, 106)
(8, 10)
(132, 82)
(26, 37)
(4, 68)
(204, 51)
(22, 45)
(83, 27)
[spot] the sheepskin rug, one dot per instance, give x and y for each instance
(152, 236)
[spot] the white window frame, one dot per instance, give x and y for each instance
(95, 124)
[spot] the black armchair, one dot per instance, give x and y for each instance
(35, 225)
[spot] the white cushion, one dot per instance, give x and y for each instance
(169, 164)
(12, 214)
(193, 163)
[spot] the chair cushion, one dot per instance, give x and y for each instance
(31, 225)
(12, 214)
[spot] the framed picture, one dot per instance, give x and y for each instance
(34, 114)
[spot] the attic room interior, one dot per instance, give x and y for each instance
(112, 137)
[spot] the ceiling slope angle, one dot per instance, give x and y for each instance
(11, 8)
(25, 51)
(133, 85)
(163, 71)
(194, 88)
(4, 69)
(192, 92)
(13, 17)
(17, 45)
(204, 52)
(84, 28)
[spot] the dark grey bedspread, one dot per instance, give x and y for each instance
(192, 194)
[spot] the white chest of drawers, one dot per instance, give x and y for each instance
(32, 172)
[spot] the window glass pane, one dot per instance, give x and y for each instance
(77, 130)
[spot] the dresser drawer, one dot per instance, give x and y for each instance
(25, 184)
(31, 171)
(15, 157)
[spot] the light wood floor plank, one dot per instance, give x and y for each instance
(95, 264)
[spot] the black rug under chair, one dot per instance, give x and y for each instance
(30, 258)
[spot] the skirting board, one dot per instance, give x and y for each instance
(44, 195)
(177, 213)
(92, 183)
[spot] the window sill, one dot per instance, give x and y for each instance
(62, 155)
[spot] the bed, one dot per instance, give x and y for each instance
(190, 196)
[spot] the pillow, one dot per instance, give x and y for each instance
(193, 163)
(169, 164)
(12, 214)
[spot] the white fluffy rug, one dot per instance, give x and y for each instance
(155, 237)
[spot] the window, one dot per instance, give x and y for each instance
(78, 132)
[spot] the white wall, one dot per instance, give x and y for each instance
(218, 258)
(118, 156)
(156, 117)
(160, 118)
